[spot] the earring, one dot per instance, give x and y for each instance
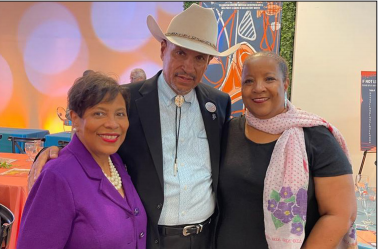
(285, 100)
(74, 129)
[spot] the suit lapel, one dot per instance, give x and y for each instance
(93, 171)
(148, 111)
(212, 129)
(111, 193)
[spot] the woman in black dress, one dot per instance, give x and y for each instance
(285, 176)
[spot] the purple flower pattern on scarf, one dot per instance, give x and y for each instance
(288, 207)
(352, 234)
(286, 192)
(272, 204)
(297, 228)
(301, 197)
(301, 204)
(284, 212)
(301, 211)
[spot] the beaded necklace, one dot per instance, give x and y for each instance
(115, 178)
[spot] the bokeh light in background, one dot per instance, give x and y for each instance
(122, 25)
(60, 44)
(51, 41)
(45, 46)
(6, 84)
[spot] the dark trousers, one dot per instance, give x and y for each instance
(193, 241)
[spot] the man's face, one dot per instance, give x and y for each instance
(183, 69)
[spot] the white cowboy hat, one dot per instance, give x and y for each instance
(194, 29)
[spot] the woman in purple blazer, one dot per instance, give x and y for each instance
(85, 198)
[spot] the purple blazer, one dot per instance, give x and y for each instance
(73, 205)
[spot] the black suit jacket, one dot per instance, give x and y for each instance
(142, 149)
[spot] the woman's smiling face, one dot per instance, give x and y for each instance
(263, 87)
(103, 127)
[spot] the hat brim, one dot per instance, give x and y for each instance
(198, 46)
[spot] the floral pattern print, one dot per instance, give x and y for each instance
(284, 212)
(285, 192)
(352, 232)
(272, 204)
(301, 197)
(287, 207)
(297, 228)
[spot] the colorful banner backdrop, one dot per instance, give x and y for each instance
(257, 26)
(368, 111)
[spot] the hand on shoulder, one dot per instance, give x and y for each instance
(49, 153)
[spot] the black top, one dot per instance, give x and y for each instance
(242, 172)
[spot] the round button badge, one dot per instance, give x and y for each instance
(210, 107)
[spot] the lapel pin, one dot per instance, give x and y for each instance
(214, 116)
(210, 107)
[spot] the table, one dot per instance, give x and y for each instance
(53, 139)
(6, 146)
(13, 191)
(365, 237)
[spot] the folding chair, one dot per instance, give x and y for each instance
(16, 142)
(6, 222)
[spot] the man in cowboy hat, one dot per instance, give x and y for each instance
(172, 147)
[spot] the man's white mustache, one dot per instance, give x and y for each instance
(186, 75)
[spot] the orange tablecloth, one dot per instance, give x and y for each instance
(365, 238)
(13, 191)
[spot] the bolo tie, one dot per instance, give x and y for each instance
(179, 100)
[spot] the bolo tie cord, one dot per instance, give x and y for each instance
(177, 130)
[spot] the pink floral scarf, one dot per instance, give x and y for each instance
(287, 178)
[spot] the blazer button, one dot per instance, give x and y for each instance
(159, 206)
(156, 241)
(141, 235)
(136, 211)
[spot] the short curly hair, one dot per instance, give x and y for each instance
(282, 63)
(91, 89)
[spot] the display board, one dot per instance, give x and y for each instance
(254, 24)
(368, 111)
